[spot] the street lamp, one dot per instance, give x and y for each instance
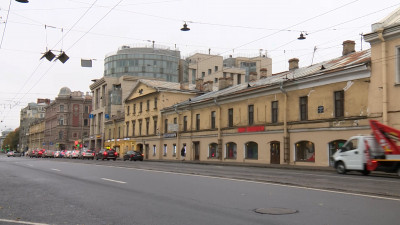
(22, 1)
(185, 28)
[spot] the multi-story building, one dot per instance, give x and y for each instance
(300, 116)
(36, 134)
(28, 115)
(4, 135)
(145, 127)
(67, 120)
(121, 71)
(210, 68)
(384, 88)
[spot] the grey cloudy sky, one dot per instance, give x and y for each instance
(90, 29)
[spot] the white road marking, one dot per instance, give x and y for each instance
(269, 183)
(22, 222)
(29, 164)
(56, 170)
(116, 181)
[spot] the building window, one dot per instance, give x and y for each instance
(209, 71)
(203, 74)
(213, 150)
(166, 126)
(154, 150)
(133, 127)
(86, 109)
(109, 134)
(119, 132)
(155, 103)
(251, 150)
(75, 135)
(165, 150)
(239, 78)
(174, 150)
(230, 117)
(185, 123)
(61, 121)
(60, 135)
(193, 76)
(303, 108)
(197, 121)
(215, 68)
(127, 110)
(274, 111)
(175, 120)
(148, 105)
(140, 107)
(61, 108)
(147, 125)
(339, 104)
(85, 122)
(127, 129)
(305, 151)
(251, 114)
(215, 80)
(134, 109)
(213, 115)
(231, 149)
(155, 124)
(140, 127)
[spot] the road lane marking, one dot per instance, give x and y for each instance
(56, 170)
(22, 222)
(116, 181)
(266, 182)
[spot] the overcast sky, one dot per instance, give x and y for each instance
(90, 29)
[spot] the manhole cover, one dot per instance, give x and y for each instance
(275, 211)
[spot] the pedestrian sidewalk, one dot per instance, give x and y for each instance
(276, 166)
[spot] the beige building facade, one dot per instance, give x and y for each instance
(145, 128)
(36, 134)
(297, 117)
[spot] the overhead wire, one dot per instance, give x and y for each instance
(5, 25)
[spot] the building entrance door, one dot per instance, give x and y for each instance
(196, 146)
(275, 152)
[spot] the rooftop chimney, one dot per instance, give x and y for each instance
(199, 84)
(208, 86)
(253, 76)
(348, 47)
(224, 82)
(293, 63)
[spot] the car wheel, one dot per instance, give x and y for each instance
(341, 168)
(102, 159)
(92, 158)
(114, 159)
(130, 159)
(365, 172)
(398, 171)
(97, 158)
(108, 159)
(141, 160)
(134, 160)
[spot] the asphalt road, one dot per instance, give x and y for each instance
(53, 191)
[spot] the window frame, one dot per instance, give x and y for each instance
(303, 108)
(213, 119)
(230, 117)
(250, 114)
(197, 122)
(274, 111)
(339, 104)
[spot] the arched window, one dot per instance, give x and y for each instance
(251, 149)
(231, 149)
(213, 150)
(305, 151)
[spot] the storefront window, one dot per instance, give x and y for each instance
(333, 147)
(251, 150)
(212, 150)
(231, 149)
(305, 151)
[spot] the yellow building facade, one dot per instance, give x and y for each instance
(36, 135)
(297, 117)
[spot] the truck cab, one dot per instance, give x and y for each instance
(352, 155)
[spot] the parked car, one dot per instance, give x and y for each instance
(133, 155)
(67, 153)
(31, 153)
(17, 154)
(86, 154)
(10, 154)
(40, 153)
(48, 154)
(74, 154)
(62, 153)
(107, 154)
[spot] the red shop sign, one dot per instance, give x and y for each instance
(251, 129)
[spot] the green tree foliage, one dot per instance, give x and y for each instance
(11, 141)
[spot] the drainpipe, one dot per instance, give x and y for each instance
(384, 78)
(219, 129)
(286, 148)
(178, 152)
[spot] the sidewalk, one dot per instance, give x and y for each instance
(275, 166)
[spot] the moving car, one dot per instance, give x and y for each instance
(133, 155)
(86, 154)
(107, 154)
